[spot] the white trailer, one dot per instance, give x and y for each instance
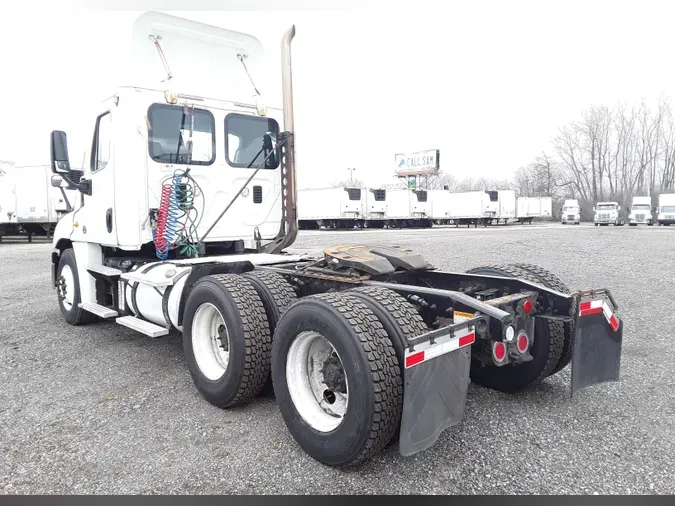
(375, 207)
(8, 225)
(506, 210)
(471, 208)
(362, 346)
(529, 208)
(341, 207)
(666, 210)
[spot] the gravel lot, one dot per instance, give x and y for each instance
(101, 409)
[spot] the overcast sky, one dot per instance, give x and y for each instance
(487, 83)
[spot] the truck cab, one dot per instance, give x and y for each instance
(666, 209)
(607, 213)
(641, 212)
(571, 212)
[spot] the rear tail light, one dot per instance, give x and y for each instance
(522, 343)
(498, 352)
(527, 306)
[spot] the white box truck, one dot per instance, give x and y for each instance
(340, 207)
(375, 207)
(641, 212)
(666, 209)
(570, 212)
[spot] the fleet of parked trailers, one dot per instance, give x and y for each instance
(29, 204)
(348, 207)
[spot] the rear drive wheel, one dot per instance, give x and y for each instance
(68, 290)
(277, 296)
(546, 349)
(337, 379)
(226, 339)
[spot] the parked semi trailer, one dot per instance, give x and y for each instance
(666, 210)
(8, 225)
(607, 213)
(331, 207)
(641, 212)
(362, 345)
(375, 208)
(529, 208)
(407, 208)
(506, 206)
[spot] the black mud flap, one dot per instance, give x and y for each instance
(596, 357)
(434, 399)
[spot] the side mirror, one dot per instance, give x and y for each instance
(593, 208)
(59, 152)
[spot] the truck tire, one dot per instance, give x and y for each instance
(550, 280)
(226, 339)
(68, 290)
(337, 379)
(277, 296)
(546, 349)
(399, 317)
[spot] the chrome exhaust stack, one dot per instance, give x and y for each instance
(288, 230)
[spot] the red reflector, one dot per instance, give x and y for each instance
(414, 359)
(614, 323)
(499, 351)
(467, 339)
(590, 311)
(584, 306)
(527, 306)
(522, 343)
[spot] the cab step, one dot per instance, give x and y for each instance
(142, 326)
(104, 270)
(97, 309)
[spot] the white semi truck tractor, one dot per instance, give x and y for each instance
(571, 212)
(189, 204)
(607, 213)
(641, 212)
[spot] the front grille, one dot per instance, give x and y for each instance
(670, 216)
(639, 216)
(570, 216)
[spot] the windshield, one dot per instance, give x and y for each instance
(607, 207)
(249, 139)
(668, 209)
(169, 132)
(640, 207)
(570, 209)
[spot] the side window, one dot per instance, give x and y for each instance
(249, 140)
(100, 153)
(169, 133)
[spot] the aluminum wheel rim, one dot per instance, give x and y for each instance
(68, 286)
(207, 343)
(320, 406)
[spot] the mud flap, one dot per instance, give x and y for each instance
(596, 357)
(434, 399)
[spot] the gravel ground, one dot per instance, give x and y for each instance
(101, 409)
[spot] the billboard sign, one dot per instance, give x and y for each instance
(418, 163)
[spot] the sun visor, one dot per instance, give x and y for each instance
(202, 59)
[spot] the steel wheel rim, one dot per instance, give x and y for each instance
(67, 286)
(320, 405)
(209, 338)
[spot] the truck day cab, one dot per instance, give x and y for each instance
(189, 203)
(571, 212)
(666, 209)
(641, 212)
(607, 213)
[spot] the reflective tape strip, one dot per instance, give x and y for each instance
(599, 306)
(427, 351)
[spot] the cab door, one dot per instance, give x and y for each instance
(96, 218)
